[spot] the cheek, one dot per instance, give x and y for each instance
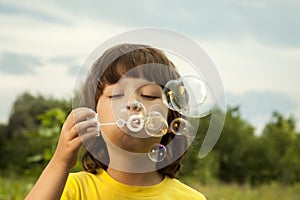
(105, 114)
(160, 107)
(104, 111)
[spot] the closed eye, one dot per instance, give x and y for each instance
(115, 96)
(150, 96)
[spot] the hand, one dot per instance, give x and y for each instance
(76, 124)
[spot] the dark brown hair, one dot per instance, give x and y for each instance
(108, 69)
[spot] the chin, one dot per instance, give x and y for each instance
(140, 143)
(132, 144)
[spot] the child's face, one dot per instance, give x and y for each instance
(118, 96)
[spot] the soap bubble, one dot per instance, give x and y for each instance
(135, 123)
(121, 116)
(175, 95)
(180, 126)
(155, 124)
(132, 107)
(132, 115)
(189, 95)
(161, 108)
(180, 46)
(88, 127)
(157, 153)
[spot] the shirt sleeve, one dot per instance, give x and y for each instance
(70, 190)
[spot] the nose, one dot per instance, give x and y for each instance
(134, 106)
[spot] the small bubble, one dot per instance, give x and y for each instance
(132, 115)
(155, 124)
(180, 126)
(157, 153)
(135, 123)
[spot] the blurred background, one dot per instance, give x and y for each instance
(255, 46)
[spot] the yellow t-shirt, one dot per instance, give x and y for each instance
(84, 185)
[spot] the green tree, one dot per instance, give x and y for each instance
(48, 133)
(254, 162)
(26, 108)
(233, 146)
(22, 122)
(3, 130)
(204, 169)
(291, 163)
(279, 137)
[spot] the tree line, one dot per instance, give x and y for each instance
(29, 138)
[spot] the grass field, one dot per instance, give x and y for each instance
(273, 191)
(14, 188)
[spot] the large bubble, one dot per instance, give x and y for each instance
(189, 95)
(180, 126)
(196, 92)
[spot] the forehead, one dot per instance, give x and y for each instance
(153, 72)
(125, 80)
(130, 83)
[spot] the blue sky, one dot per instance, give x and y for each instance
(255, 45)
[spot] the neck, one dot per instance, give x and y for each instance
(136, 179)
(129, 162)
(131, 168)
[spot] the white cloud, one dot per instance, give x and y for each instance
(248, 65)
(24, 35)
(45, 81)
(49, 10)
(52, 29)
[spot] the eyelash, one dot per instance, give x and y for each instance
(149, 97)
(116, 96)
(142, 95)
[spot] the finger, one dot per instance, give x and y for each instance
(78, 115)
(82, 128)
(82, 114)
(76, 143)
(90, 135)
